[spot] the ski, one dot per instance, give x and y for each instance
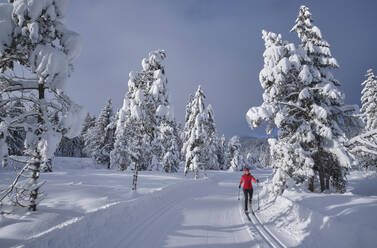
(248, 216)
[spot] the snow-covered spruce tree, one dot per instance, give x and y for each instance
(99, 139)
(364, 145)
(166, 145)
(146, 116)
(195, 147)
(119, 156)
(36, 55)
(331, 160)
(186, 129)
(89, 122)
(221, 153)
(213, 140)
(236, 159)
(69, 148)
(342, 120)
(302, 100)
(133, 124)
(369, 101)
(170, 145)
(279, 79)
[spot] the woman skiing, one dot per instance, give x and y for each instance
(247, 187)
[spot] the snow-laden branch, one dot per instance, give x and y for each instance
(293, 105)
(16, 99)
(363, 149)
(6, 192)
(366, 143)
(9, 84)
(362, 136)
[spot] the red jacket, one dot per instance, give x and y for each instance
(246, 180)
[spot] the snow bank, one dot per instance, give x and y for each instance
(305, 219)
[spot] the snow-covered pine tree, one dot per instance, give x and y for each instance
(145, 115)
(364, 145)
(236, 159)
(35, 41)
(89, 122)
(329, 135)
(99, 138)
(196, 136)
(167, 140)
(70, 148)
(369, 101)
(212, 141)
(171, 152)
(119, 156)
(186, 128)
(303, 100)
(282, 89)
(222, 153)
(326, 86)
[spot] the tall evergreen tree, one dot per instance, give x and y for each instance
(369, 101)
(89, 122)
(331, 160)
(195, 146)
(302, 100)
(284, 79)
(99, 138)
(171, 152)
(364, 145)
(119, 156)
(70, 148)
(186, 129)
(213, 141)
(146, 118)
(221, 153)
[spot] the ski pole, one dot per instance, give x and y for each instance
(258, 194)
(239, 189)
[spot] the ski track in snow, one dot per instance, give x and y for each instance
(266, 233)
(192, 214)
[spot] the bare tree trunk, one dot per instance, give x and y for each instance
(321, 177)
(327, 182)
(187, 167)
(311, 184)
(134, 179)
(35, 163)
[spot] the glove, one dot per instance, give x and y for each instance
(239, 186)
(257, 180)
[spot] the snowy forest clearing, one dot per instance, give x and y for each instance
(88, 206)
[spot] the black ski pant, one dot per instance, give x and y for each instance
(248, 193)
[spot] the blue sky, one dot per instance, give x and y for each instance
(213, 43)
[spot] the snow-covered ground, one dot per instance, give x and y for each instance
(87, 206)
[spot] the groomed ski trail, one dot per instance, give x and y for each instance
(255, 225)
(192, 214)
